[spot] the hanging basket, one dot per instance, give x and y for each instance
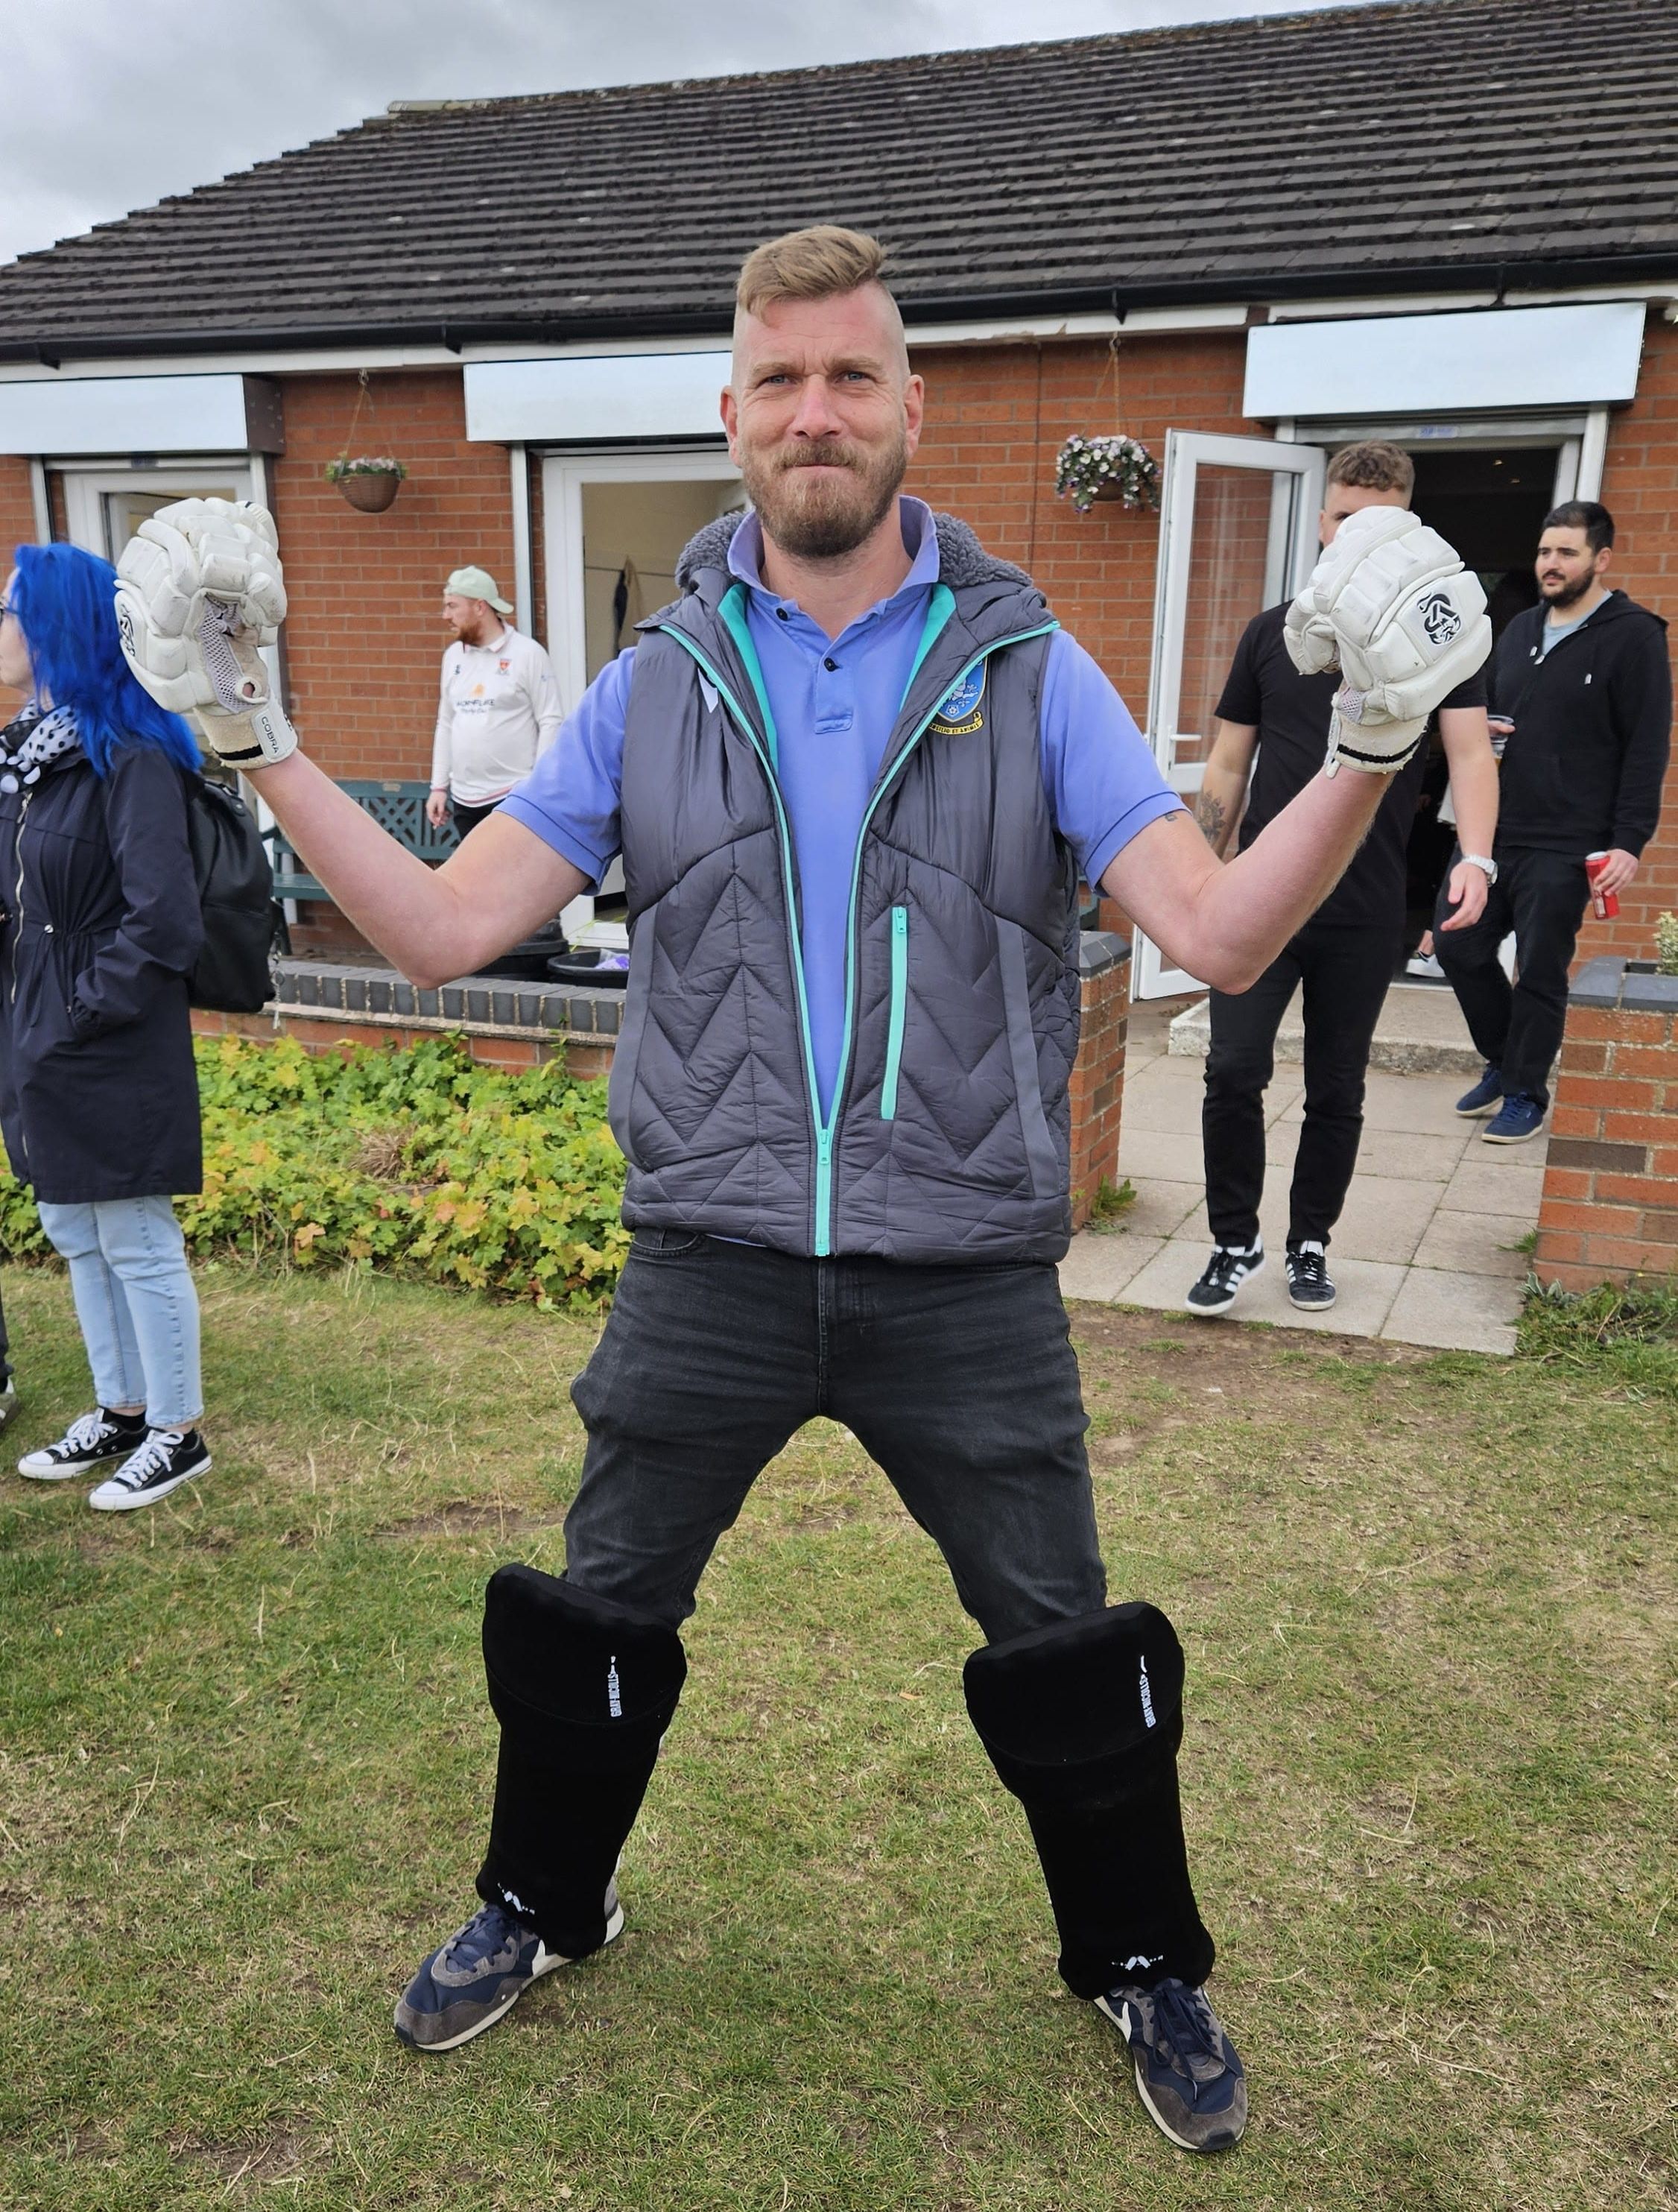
(1119, 468)
(366, 482)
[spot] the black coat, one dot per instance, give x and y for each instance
(1593, 721)
(99, 924)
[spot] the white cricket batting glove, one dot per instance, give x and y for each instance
(1410, 624)
(198, 591)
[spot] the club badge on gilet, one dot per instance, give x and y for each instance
(961, 713)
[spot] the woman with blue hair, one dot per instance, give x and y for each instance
(100, 924)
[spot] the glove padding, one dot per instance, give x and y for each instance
(1409, 624)
(199, 590)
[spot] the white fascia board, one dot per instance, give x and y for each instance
(126, 415)
(315, 362)
(1214, 316)
(1501, 360)
(1397, 303)
(595, 398)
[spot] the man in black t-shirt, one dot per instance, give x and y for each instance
(1346, 954)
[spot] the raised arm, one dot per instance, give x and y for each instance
(433, 923)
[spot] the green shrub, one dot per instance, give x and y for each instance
(417, 1161)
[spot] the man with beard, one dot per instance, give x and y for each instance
(853, 772)
(1581, 690)
(499, 707)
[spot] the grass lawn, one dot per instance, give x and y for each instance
(1428, 1605)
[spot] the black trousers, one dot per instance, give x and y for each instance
(1345, 973)
(467, 818)
(1517, 1027)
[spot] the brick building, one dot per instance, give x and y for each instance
(1203, 236)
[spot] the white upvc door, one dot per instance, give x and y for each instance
(1237, 533)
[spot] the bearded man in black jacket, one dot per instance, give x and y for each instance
(1581, 690)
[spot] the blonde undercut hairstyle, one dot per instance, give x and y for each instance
(818, 264)
(1373, 466)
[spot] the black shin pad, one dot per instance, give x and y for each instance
(584, 1690)
(1082, 1722)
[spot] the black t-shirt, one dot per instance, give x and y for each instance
(1291, 714)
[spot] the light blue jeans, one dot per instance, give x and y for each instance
(135, 1303)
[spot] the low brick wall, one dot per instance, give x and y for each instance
(325, 1005)
(1610, 1212)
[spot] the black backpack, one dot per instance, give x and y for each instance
(243, 921)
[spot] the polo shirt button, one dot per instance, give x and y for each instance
(832, 666)
(780, 614)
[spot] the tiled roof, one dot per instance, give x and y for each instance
(1445, 142)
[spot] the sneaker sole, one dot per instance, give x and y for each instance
(1225, 2142)
(1478, 1113)
(130, 1499)
(69, 1473)
(1487, 1137)
(1224, 1304)
(1312, 1305)
(614, 1930)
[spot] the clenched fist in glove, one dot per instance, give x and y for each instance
(1408, 624)
(198, 591)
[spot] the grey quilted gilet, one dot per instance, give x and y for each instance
(948, 1140)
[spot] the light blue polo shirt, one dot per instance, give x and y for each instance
(836, 702)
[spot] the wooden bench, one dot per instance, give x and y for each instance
(396, 807)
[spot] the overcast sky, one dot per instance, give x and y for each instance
(112, 104)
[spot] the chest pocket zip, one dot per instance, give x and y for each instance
(900, 998)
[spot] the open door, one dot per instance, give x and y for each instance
(1237, 533)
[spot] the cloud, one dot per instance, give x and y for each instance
(111, 107)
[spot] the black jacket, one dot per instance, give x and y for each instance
(1593, 724)
(99, 924)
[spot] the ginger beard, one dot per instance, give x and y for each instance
(824, 497)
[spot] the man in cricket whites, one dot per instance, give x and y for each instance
(854, 772)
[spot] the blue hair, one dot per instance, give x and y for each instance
(65, 607)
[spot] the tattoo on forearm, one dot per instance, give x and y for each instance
(1212, 814)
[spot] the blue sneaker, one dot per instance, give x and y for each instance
(1485, 1095)
(479, 1973)
(1190, 2080)
(1518, 1118)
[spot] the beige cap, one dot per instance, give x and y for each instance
(476, 584)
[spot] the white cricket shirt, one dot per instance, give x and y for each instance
(497, 711)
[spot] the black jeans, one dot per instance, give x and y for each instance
(467, 818)
(1346, 973)
(1517, 1028)
(960, 1382)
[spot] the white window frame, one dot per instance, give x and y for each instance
(1291, 555)
(87, 483)
(564, 474)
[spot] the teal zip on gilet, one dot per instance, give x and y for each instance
(713, 1095)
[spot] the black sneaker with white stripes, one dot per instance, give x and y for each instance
(1226, 1271)
(167, 1458)
(87, 1442)
(1308, 1283)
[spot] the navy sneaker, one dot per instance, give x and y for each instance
(1224, 1272)
(1190, 2080)
(479, 1973)
(1519, 1117)
(1485, 1095)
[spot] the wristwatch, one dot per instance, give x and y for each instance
(1489, 868)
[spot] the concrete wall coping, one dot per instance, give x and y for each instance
(1611, 981)
(490, 1003)
(1101, 949)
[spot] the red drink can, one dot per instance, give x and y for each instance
(1603, 904)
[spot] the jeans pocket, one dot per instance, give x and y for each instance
(667, 1243)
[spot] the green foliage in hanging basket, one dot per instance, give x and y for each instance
(366, 464)
(1107, 468)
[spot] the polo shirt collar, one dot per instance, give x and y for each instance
(920, 542)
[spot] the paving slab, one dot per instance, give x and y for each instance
(1487, 1180)
(1099, 1267)
(1367, 1289)
(1385, 1218)
(1455, 1311)
(1161, 1208)
(1160, 1154)
(1476, 1244)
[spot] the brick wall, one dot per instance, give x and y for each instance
(1640, 488)
(1610, 1205)
(17, 528)
(1098, 1079)
(364, 637)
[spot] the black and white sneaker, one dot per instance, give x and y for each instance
(7, 1401)
(1226, 1271)
(167, 1458)
(87, 1442)
(1308, 1283)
